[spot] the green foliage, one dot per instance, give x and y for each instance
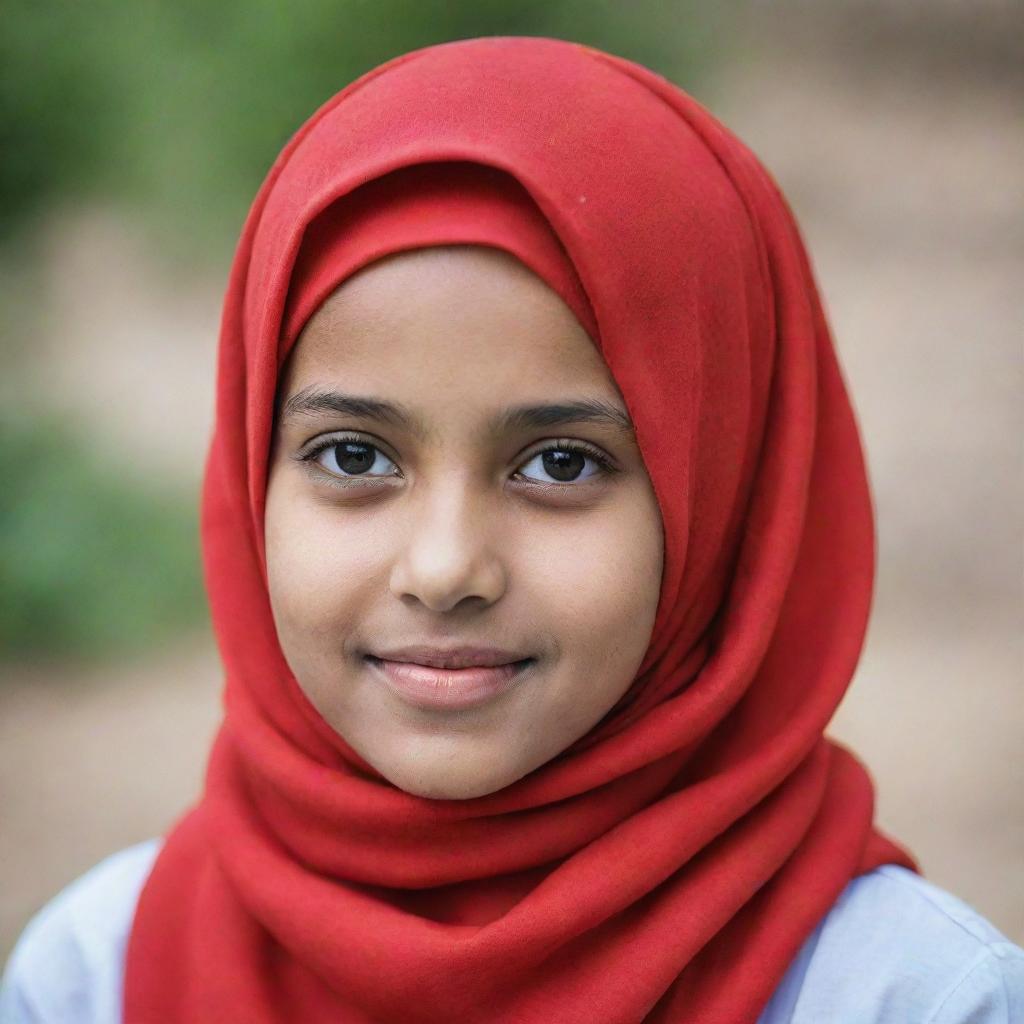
(91, 563)
(181, 106)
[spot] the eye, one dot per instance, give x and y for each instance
(566, 462)
(350, 458)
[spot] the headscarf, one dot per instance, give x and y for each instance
(668, 865)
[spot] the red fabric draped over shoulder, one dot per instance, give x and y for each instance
(670, 863)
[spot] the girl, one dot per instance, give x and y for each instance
(540, 549)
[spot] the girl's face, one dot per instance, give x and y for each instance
(453, 468)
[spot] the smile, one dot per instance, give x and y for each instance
(427, 686)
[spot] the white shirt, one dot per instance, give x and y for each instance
(893, 950)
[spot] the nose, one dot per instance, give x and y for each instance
(450, 552)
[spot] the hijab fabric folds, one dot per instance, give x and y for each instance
(669, 864)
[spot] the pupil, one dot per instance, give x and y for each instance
(353, 457)
(563, 465)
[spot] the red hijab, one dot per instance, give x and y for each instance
(669, 864)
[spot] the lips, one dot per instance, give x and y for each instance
(450, 657)
(452, 679)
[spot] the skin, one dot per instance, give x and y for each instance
(461, 535)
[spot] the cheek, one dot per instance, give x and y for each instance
(320, 571)
(598, 581)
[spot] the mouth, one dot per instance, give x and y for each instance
(437, 687)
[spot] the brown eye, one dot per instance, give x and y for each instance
(564, 465)
(354, 458)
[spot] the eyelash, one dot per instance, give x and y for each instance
(605, 467)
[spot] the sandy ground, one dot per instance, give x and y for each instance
(906, 183)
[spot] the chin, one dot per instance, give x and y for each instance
(445, 784)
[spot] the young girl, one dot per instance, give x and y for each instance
(540, 548)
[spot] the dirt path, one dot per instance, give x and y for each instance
(92, 761)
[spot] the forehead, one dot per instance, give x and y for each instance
(455, 323)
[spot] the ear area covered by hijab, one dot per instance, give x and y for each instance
(668, 865)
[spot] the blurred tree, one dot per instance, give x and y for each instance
(90, 562)
(180, 107)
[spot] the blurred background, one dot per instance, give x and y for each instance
(134, 137)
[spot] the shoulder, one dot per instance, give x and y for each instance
(896, 948)
(68, 963)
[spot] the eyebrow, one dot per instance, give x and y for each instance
(315, 400)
